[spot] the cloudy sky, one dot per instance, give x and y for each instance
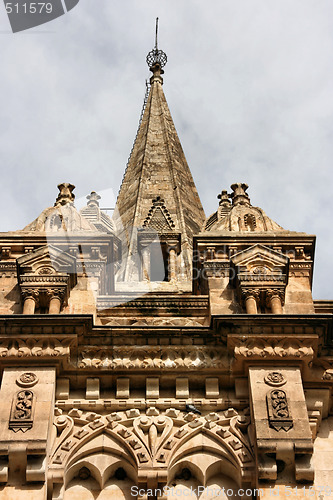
(249, 84)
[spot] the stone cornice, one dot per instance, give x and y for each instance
(44, 279)
(8, 266)
(56, 349)
(151, 303)
(27, 326)
(252, 349)
(275, 324)
(266, 237)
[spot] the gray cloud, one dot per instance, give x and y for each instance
(249, 85)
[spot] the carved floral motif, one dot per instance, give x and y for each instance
(21, 416)
(278, 410)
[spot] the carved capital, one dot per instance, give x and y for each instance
(272, 293)
(56, 293)
(250, 293)
(30, 293)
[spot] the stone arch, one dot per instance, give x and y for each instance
(101, 446)
(218, 457)
(218, 486)
(101, 478)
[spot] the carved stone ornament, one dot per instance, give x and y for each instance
(276, 379)
(189, 358)
(21, 415)
(154, 436)
(27, 379)
(279, 416)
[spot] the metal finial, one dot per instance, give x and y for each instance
(156, 47)
(156, 56)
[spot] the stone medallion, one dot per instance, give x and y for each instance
(275, 379)
(27, 379)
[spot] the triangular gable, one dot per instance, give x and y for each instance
(46, 258)
(158, 217)
(259, 254)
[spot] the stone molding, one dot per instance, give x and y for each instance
(168, 358)
(35, 348)
(154, 303)
(247, 350)
(216, 269)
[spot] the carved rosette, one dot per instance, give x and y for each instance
(21, 415)
(279, 416)
(275, 379)
(27, 379)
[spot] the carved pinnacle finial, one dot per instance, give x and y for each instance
(224, 198)
(93, 198)
(239, 196)
(65, 196)
(156, 59)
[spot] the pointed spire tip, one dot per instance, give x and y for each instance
(156, 58)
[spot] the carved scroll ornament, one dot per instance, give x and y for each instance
(279, 416)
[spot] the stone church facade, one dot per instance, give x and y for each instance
(161, 353)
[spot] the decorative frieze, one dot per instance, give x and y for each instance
(35, 348)
(249, 349)
(169, 358)
(152, 303)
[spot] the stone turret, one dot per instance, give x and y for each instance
(239, 215)
(63, 216)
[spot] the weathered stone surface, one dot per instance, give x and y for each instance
(220, 376)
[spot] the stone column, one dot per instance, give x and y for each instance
(251, 298)
(274, 301)
(30, 298)
(145, 254)
(56, 297)
(172, 263)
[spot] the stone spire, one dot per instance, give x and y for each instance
(157, 168)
